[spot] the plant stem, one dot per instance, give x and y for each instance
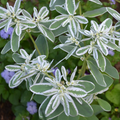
(34, 43)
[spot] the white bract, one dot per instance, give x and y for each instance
(68, 16)
(62, 92)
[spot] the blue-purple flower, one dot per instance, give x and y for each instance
(7, 75)
(6, 35)
(112, 2)
(111, 52)
(31, 107)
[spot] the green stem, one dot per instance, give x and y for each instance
(34, 43)
(118, 1)
(82, 71)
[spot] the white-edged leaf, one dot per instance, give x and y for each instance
(43, 12)
(26, 14)
(60, 9)
(8, 24)
(2, 10)
(82, 50)
(17, 5)
(81, 19)
(40, 88)
(12, 67)
(73, 74)
(6, 48)
(64, 73)
(96, 1)
(71, 53)
(95, 25)
(70, 6)
(103, 47)
(96, 74)
(49, 109)
(15, 41)
(2, 24)
(24, 53)
(18, 29)
(101, 61)
(58, 75)
(76, 92)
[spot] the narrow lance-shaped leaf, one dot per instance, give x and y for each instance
(12, 67)
(96, 1)
(17, 5)
(6, 48)
(15, 41)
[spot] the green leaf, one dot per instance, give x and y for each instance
(15, 41)
(40, 88)
(43, 106)
(97, 109)
(2, 88)
(88, 118)
(17, 5)
(2, 10)
(56, 24)
(82, 50)
(56, 2)
(17, 58)
(98, 88)
(2, 24)
(104, 104)
(94, 13)
(42, 45)
(29, 24)
(6, 48)
(14, 97)
(39, 98)
(12, 67)
(110, 70)
(84, 109)
(5, 94)
(114, 13)
(61, 10)
(47, 32)
(96, 74)
(26, 95)
(70, 6)
(96, 1)
(101, 61)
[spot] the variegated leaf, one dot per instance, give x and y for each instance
(58, 75)
(64, 73)
(12, 67)
(17, 5)
(82, 50)
(81, 19)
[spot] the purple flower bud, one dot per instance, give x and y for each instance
(54, 69)
(7, 75)
(3, 34)
(110, 118)
(31, 107)
(10, 30)
(111, 52)
(68, 71)
(112, 2)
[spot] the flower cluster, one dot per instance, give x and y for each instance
(7, 75)
(6, 35)
(32, 107)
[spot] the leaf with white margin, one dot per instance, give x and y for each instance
(98, 89)
(26, 14)
(61, 10)
(95, 13)
(14, 81)
(49, 109)
(17, 5)
(103, 47)
(95, 25)
(101, 61)
(73, 74)
(81, 19)
(2, 24)
(96, 73)
(84, 109)
(71, 53)
(96, 1)
(85, 85)
(12, 67)
(6, 48)
(48, 33)
(43, 12)
(64, 73)
(15, 41)
(113, 13)
(18, 29)
(50, 92)
(76, 92)
(82, 50)
(2, 10)
(56, 24)
(65, 104)
(8, 24)
(58, 75)
(23, 53)
(104, 104)
(70, 6)
(43, 106)
(40, 88)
